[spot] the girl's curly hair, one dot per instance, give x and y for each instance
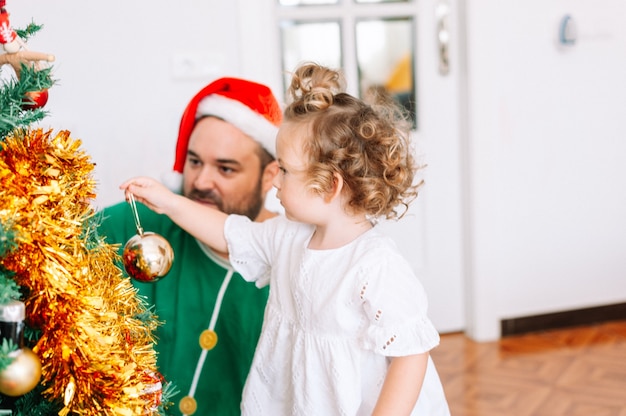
(368, 145)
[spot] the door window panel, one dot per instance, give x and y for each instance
(384, 51)
(309, 41)
(372, 41)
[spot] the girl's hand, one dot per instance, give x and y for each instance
(149, 192)
(204, 223)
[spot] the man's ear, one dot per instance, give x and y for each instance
(270, 171)
(335, 192)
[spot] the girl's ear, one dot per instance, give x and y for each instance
(335, 192)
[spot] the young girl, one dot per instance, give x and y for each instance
(345, 328)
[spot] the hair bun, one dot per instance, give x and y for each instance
(313, 87)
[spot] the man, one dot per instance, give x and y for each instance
(212, 317)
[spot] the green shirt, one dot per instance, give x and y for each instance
(184, 300)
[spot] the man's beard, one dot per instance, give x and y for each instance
(250, 207)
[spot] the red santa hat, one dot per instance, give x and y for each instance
(249, 106)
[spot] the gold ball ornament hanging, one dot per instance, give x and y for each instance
(22, 375)
(23, 371)
(147, 256)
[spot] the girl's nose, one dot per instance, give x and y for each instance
(276, 180)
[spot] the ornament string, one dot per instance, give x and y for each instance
(133, 208)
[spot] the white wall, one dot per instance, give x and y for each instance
(546, 146)
(117, 90)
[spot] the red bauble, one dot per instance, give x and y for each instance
(35, 99)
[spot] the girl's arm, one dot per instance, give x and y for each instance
(204, 223)
(402, 385)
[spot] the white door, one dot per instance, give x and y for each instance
(431, 234)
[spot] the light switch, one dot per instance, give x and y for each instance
(192, 65)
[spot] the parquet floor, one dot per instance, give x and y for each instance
(578, 371)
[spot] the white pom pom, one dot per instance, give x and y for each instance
(173, 181)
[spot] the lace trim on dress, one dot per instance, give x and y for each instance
(413, 337)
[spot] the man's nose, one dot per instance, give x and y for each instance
(205, 179)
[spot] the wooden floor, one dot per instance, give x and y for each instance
(568, 372)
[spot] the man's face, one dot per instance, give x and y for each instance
(223, 169)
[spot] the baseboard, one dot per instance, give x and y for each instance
(587, 316)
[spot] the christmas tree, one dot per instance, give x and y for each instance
(76, 338)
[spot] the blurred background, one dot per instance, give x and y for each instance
(518, 109)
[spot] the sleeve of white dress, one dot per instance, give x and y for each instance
(248, 248)
(395, 307)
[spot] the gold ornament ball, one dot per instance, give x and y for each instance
(22, 375)
(148, 257)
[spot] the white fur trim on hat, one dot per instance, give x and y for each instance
(241, 116)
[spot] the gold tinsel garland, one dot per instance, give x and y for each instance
(96, 355)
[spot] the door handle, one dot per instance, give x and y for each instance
(442, 15)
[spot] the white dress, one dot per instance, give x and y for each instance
(333, 319)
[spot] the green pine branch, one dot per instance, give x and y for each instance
(34, 404)
(12, 99)
(7, 347)
(9, 290)
(28, 31)
(8, 241)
